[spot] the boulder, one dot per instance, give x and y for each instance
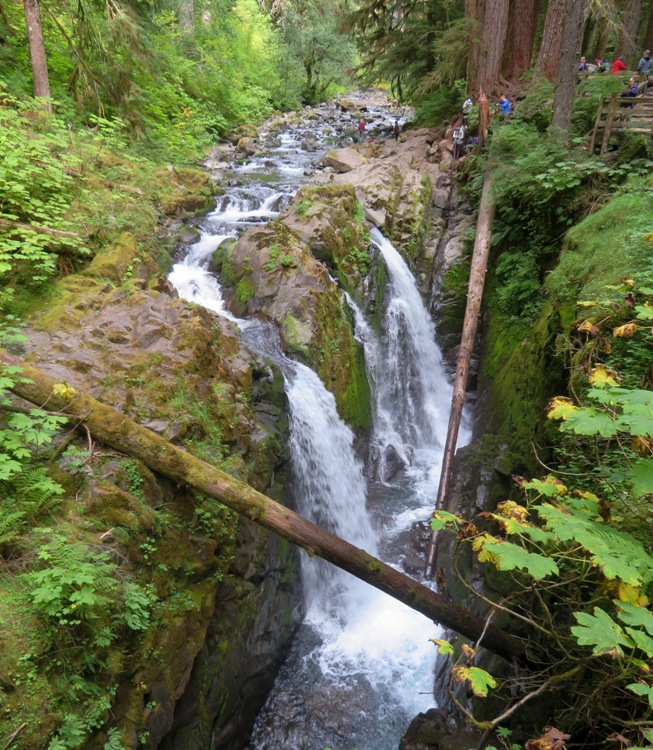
(348, 105)
(343, 159)
(247, 145)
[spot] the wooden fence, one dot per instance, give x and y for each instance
(634, 114)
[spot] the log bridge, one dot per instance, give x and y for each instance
(634, 114)
(119, 432)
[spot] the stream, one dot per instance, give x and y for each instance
(361, 664)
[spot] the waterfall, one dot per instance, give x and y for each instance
(329, 488)
(361, 665)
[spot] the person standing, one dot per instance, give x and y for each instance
(361, 130)
(644, 66)
(467, 108)
(504, 105)
(582, 65)
(617, 67)
(395, 130)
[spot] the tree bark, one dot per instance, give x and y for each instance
(493, 39)
(470, 325)
(121, 433)
(186, 15)
(549, 54)
(626, 46)
(37, 53)
(474, 11)
(563, 98)
(646, 33)
(603, 38)
(520, 38)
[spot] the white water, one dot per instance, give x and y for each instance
(362, 664)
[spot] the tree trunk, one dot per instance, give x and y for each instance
(520, 38)
(483, 119)
(563, 98)
(604, 38)
(626, 46)
(493, 39)
(37, 51)
(121, 433)
(470, 325)
(474, 11)
(549, 54)
(646, 33)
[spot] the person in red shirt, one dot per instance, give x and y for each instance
(617, 67)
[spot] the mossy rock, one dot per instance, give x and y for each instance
(184, 191)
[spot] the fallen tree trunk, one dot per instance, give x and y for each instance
(470, 325)
(121, 433)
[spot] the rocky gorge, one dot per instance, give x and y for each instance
(228, 594)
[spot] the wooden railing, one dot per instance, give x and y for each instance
(634, 114)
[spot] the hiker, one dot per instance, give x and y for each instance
(361, 129)
(472, 143)
(631, 88)
(467, 108)
(582, 65)
(504, 105)
(617, 67)
(395, 130)
(644, 66)
(458, 142)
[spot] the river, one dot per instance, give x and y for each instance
(361, 665)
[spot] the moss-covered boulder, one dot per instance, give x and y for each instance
(274, 274)
(183, 191)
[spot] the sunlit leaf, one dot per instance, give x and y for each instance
(625, 331)
(590, 421)
(444, 647)
(560, 408)
(509, 556)
(600, 631)
(601, 377)
(643, 690)
(639, 617)
(549, 487)
(479, 680)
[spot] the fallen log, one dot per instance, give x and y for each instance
(121, 433)
(470, 324)
(10, 224)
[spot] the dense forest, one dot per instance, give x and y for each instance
(106, 110)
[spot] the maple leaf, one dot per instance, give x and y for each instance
(590, 421)
(600, 631)
(645, 311)
(641, 478)
(601, 377)
(549, 487)
(511, 509)
(479, 680)
(509, 556)
(560, 408)
(643, 690)
(444, 647)
(639, 617)
(625, 331)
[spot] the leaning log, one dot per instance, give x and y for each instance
(470, 324)
(121, 433)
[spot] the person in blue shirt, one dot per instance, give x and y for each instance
(504, 104)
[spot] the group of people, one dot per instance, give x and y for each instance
(618, 66)
(362, 124)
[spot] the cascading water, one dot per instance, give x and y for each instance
(361, 665)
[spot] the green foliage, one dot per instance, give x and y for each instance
(318, 55)
(35, 189)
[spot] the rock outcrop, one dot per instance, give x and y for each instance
(226, 591)
(275, 274)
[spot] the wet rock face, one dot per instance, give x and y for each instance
(275, 275)
(182, 371)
